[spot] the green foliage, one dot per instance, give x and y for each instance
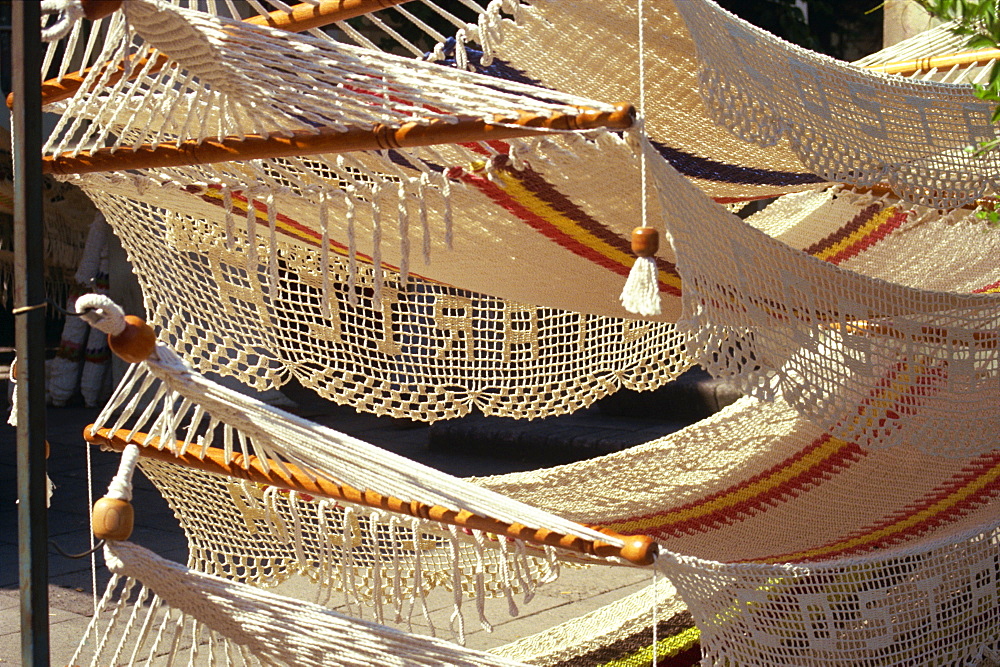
(978, 20)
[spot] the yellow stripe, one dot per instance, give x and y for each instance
(515, 188)
(758, 488)
(874, 223)
(902, 525)
(665, 648)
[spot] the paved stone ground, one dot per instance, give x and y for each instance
(516, 446)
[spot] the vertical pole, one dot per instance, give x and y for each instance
(29, 311)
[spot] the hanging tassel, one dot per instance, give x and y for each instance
(641, 294)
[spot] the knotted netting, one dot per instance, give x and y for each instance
(272, 294)
(844, 123)
(838, 508)
(922, 328)
(304, 266)
(769, 525)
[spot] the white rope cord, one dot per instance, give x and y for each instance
(280, 436)
(101, 312)
(70, 12)
(281, 630)
(230, 74)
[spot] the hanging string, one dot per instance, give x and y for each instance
(324, 224)
(656, 601)
(641, 293)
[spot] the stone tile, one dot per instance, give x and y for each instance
(64, 637)
(10, 643)
(10, 624)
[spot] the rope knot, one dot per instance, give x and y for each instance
(102, 313)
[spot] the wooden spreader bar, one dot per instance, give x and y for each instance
(946, 61)
(304, 142)
(302, 17)
(638, 549)
(307, 16)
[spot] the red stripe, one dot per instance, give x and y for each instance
(975, 469)
(883, 230)
(505, 201)
(837, 462)
(987, 288)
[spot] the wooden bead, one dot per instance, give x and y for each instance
(645, 241)
(136, 342)
(112, 519)
(98, 9)
(639, 549)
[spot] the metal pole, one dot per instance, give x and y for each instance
(29, 311)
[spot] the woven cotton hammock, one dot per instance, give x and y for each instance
(799, 522)
(288, 271)
(781, 321)
(777, 513)
(297, 273)
(590, 48)
(845, 124)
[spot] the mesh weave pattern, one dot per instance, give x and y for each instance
(273, 309)
(934, 605)
(777, 319)
(845, 124)
(261, 536)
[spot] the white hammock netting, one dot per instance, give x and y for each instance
(232, 78)
(780, 321)
(400, 351)
(209, 620)
(290, 276)
(779, 528)
(844, 123)
(280, 297)
(590, 48)
(781, 507)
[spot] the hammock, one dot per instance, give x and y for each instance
(823, 336)
(517, 40)
(845, 124)
(280, 289)
(297, 273)
(782, 508)
(791, 542)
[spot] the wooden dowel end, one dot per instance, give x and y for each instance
(136, 342)
(638, 549)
